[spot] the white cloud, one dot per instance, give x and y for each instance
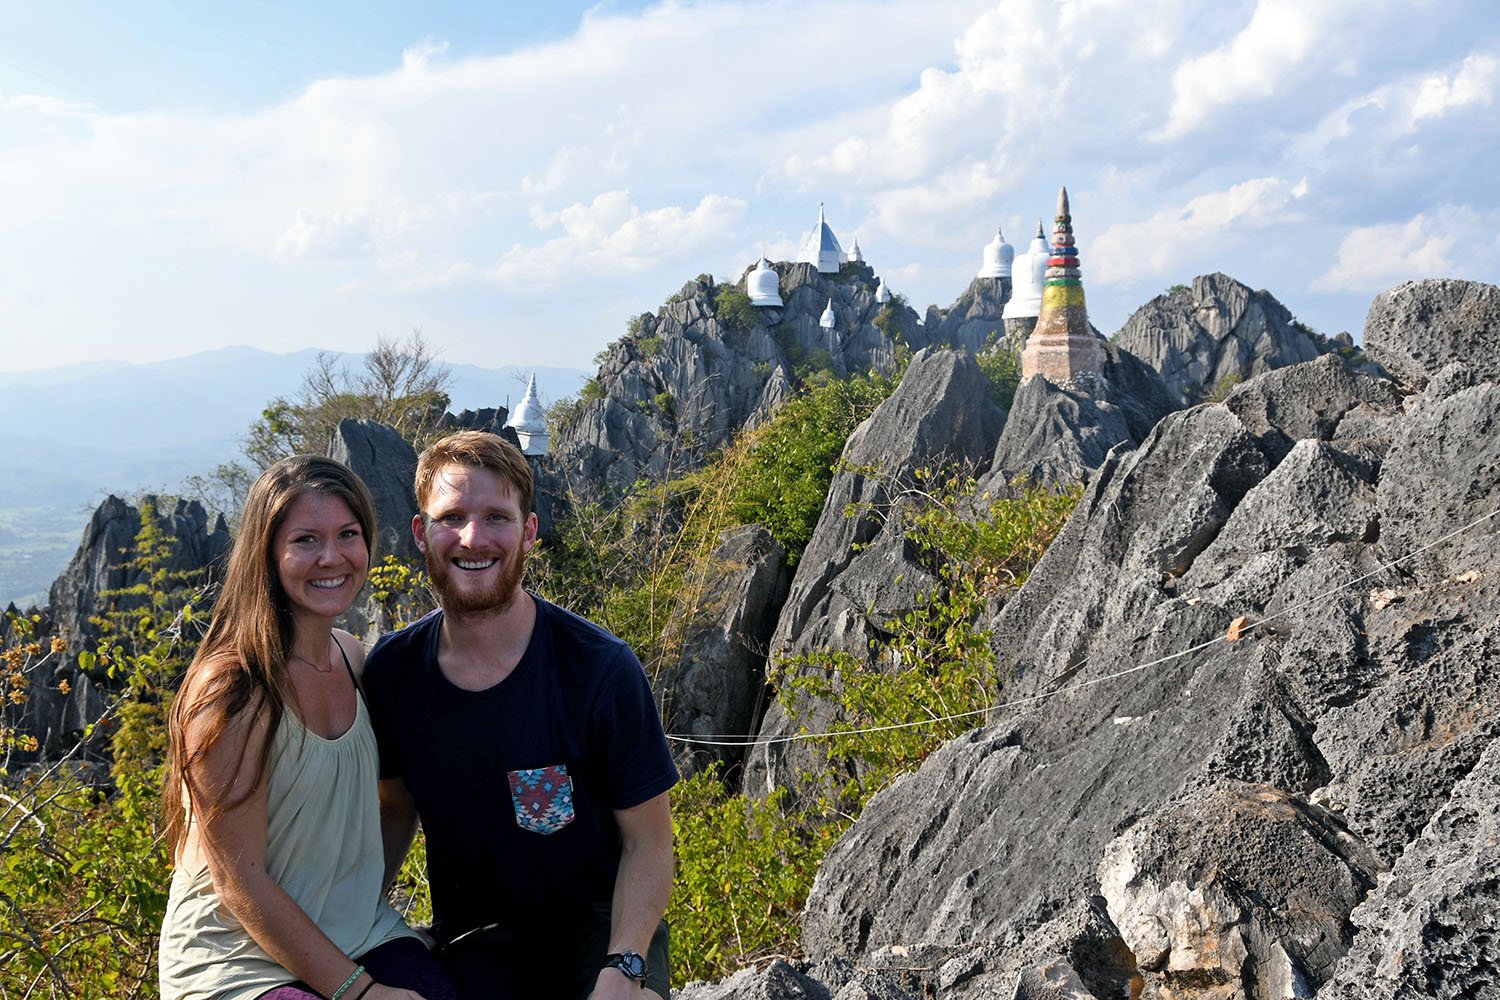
(1428, 245)
(1281, 36)
(1472, 85)
(610, 235)
(1176, 236)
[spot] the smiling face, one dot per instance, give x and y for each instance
(475, 537)
(320, 555)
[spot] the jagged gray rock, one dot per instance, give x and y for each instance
(1217, 330)
(778, 981)
(1429, 929)
(387, 463)
(717, 688)
(1351, 716)
(98, 579)
(938, 417)
(975, 321)
(1236, 887)
(682, 383)
(1418, 327)
(1061, 434)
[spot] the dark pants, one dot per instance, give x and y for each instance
(404, 962)
(493, 963)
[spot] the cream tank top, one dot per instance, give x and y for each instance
(323, 847)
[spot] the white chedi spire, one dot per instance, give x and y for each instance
(1029, 277)
(530, 422)
(998, 258)
(827, 320)
(764, 285)
(821, 248)
(882, 293)
(856, 256)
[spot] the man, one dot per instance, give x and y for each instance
(528, 742)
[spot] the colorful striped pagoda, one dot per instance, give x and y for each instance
(1062, 346)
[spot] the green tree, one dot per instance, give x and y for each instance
(400, 384)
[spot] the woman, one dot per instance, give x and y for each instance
(270, 798)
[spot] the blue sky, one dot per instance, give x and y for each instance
(518, 180)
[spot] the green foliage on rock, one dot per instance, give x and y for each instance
(733, 310)
(791, 458)
(931, 677)
(1002, 373)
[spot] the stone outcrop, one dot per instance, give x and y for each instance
(693, 374)
(1417, 328)
(97, 580)
(974, 322)
(1058, 434)
(388, 465)
(1307, 807)
(718, 688)
(1212, 334)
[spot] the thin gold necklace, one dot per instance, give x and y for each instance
(322, 670)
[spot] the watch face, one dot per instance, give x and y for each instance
(629, 963)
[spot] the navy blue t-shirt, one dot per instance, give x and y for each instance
(516, 784)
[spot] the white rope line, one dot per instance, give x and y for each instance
(722, 740)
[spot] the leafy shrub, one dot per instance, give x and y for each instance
(733, 310)
(743, 874)
(1002, 373)
(791, 458)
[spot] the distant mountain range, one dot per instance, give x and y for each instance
(69, 436)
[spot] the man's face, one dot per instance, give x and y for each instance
(475, 537)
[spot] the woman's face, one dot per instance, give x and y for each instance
(320, 556)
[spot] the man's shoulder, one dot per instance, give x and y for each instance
(569, 629)
(394, 648)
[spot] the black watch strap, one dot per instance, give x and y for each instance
(631, 965)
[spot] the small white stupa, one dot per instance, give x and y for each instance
(998, 258)
(855, 255)
(882, 293)
(827, 320)
(1029, 276)
(764, 285)
(530, 422)
(821, 248)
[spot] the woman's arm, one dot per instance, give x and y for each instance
(229, 808)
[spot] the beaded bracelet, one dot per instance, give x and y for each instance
(359, 970)
(368, 987)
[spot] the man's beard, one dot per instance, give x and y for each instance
(456, 601)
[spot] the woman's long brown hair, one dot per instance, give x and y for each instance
(250, 635)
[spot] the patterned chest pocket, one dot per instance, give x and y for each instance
(543, 798)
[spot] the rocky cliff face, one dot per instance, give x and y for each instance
(96, 580)
(696, 372)
(1249, 743)
(1217, 330)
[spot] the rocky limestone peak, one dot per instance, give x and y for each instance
(1213, 333)
(707, 363)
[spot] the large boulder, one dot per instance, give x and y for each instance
(106, 575)
(1429, 929)
(1419, 327)
(1213, 334)
(975, 321)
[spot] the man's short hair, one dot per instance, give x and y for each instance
(477, 450)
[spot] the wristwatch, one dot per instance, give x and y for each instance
(631, 965)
